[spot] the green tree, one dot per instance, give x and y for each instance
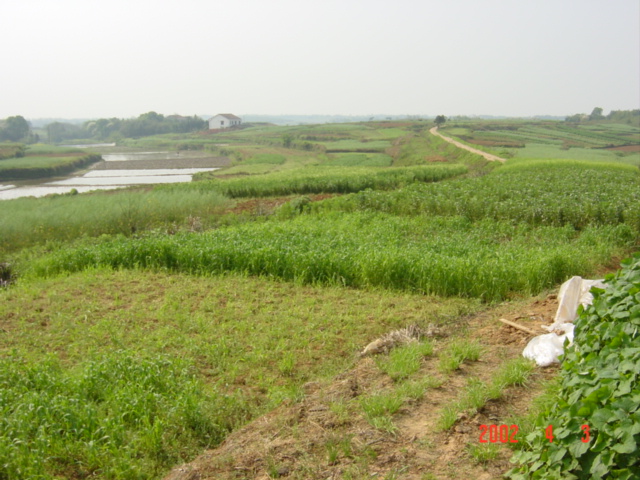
(596, 114)
(440, 120)
(14, 129)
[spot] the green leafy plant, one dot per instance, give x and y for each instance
(595, 422)
(121, 417)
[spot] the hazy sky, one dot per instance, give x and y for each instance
(113, 58)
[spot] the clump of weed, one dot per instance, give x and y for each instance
(483, 453)
(404, 361)
(378, 410)
(457, 352)
(414, 390)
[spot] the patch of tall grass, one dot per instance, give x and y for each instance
(534, 192)
(266, 158)
(433, 255)
(360, 160)
(353, 145)
(328, 180)
(28, 221)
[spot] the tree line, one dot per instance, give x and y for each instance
(631, 117)
(17, 129)
(150, 123)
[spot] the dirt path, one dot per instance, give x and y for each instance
(488, 156)
(326, 435)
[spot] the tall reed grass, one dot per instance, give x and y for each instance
(434, 255)
(28, 221)
(328, 180)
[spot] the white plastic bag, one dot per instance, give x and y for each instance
(545, 349)
(573, 293)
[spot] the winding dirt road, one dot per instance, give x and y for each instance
(488, 156)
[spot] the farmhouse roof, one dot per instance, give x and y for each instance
(230, 116)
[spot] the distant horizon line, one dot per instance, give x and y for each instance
(344, 115)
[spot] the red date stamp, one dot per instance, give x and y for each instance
(498, 433)
(507, 433)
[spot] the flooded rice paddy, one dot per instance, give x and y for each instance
(120, 170)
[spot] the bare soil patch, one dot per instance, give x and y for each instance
(626, 148)
(266, 206)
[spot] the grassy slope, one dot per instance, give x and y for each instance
(252, 341)
(249, 352)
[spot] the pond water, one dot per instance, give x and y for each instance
(90, 145)
(36, 191)
(135, 156)
(122, 181)
(145, 172)
(101, 177)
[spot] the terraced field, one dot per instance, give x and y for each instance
(140, 329)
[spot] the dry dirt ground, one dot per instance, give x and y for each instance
(268, 205)
(312, 439)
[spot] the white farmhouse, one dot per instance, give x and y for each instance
(224, 120)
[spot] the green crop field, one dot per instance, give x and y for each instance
(442, 256)
(360, 160)
(29, 221)
(139, 328)
(41, 161)
(34, 162)
(327, 180)
(536, 192)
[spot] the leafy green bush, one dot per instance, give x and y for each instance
(599, 389)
